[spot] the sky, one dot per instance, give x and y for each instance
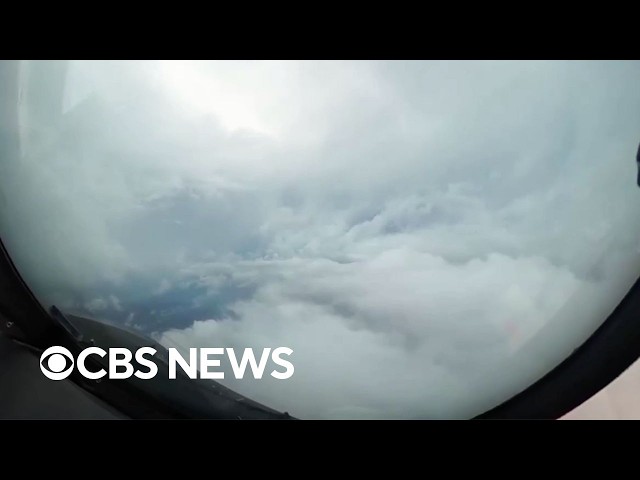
(428, 237)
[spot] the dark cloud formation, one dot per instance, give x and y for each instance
(428, 237)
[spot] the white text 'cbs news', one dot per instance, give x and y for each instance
(57, 363)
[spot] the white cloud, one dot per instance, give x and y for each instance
(115, 303)
(165, 286)
(96, 305)
(392, 321)
(411, 229)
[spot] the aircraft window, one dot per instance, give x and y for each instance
(430, 238)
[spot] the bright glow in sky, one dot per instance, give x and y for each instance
(428, 237)
(234, 100)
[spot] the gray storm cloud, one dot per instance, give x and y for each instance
(428, 237)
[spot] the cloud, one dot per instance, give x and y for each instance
(382, 323)
(96, 305)
(164, 286)
(429, 237)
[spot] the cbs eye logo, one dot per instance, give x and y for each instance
(56, 363)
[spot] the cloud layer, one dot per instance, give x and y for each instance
(412, 230)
